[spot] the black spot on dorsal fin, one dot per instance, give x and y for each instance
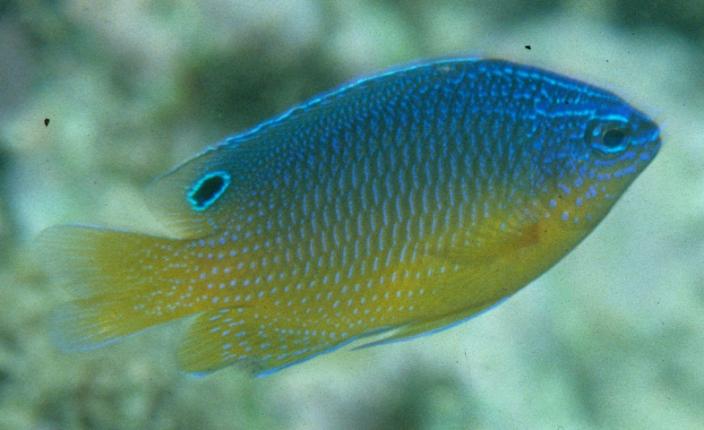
(207, 190)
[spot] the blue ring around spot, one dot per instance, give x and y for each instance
(199, 207)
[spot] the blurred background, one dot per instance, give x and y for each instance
(98, 97)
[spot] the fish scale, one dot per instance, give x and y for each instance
(394, 206)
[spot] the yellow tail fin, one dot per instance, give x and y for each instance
(123, 282)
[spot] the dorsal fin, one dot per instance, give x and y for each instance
(195, 197)
(202, 194)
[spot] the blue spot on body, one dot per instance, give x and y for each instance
(208, 189)
(564, 188)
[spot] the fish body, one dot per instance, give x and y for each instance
(395, 205)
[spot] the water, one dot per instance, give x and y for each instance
(609, 338)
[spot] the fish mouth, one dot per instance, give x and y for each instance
(648, 149)
(652, 135)
(647, 137)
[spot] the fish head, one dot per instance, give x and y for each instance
(618, 143)
(619, 139)
(598, 145)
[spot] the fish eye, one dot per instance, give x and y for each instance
(608, 138)
(207, 190)
(613, 138)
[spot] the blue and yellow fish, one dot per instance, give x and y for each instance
(395, 205)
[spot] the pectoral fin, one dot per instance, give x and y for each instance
(427, 327)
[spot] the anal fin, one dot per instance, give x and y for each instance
(250, 340)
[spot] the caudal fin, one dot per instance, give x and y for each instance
(122, 282)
